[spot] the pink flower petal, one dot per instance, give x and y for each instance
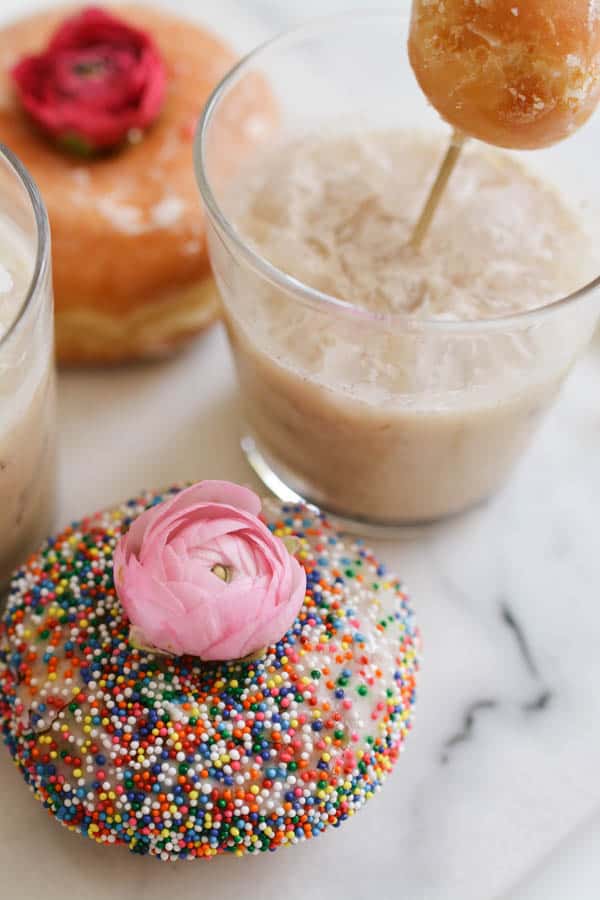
(149, 592)
(196, 527)
(269, 632)
(231, 646)
(196, 576)
(134, 538)
(202, 624)
(218, 493)
(236, 551)
(225, 493)
(172, 564)
(206, 524)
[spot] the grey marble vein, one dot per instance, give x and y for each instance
(468, 726)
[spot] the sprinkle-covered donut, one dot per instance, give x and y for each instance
(179, 757)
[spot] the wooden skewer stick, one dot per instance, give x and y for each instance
(436, 193)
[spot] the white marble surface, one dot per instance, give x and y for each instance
(496, 796)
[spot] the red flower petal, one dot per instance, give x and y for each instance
(98, 78)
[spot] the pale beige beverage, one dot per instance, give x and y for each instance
(387, 385)
(26, 407)
(388, 413)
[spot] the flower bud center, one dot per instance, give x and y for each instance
(92, 68)
(222, 572)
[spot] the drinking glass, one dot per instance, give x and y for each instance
(27, 405)
(381, 419)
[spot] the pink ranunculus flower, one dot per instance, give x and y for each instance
(201, 574)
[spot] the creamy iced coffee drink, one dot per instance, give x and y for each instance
(406, 404)
(26, 406)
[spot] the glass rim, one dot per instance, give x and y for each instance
(42, 227)
(283, 280)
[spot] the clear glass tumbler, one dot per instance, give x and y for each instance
(27, 402)
(380, 419)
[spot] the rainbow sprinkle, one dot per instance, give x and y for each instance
(182, 759)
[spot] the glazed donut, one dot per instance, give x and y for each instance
(516, 74)
(181, 759)
(131, 270)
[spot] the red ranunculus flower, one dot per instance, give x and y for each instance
(98, 79)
